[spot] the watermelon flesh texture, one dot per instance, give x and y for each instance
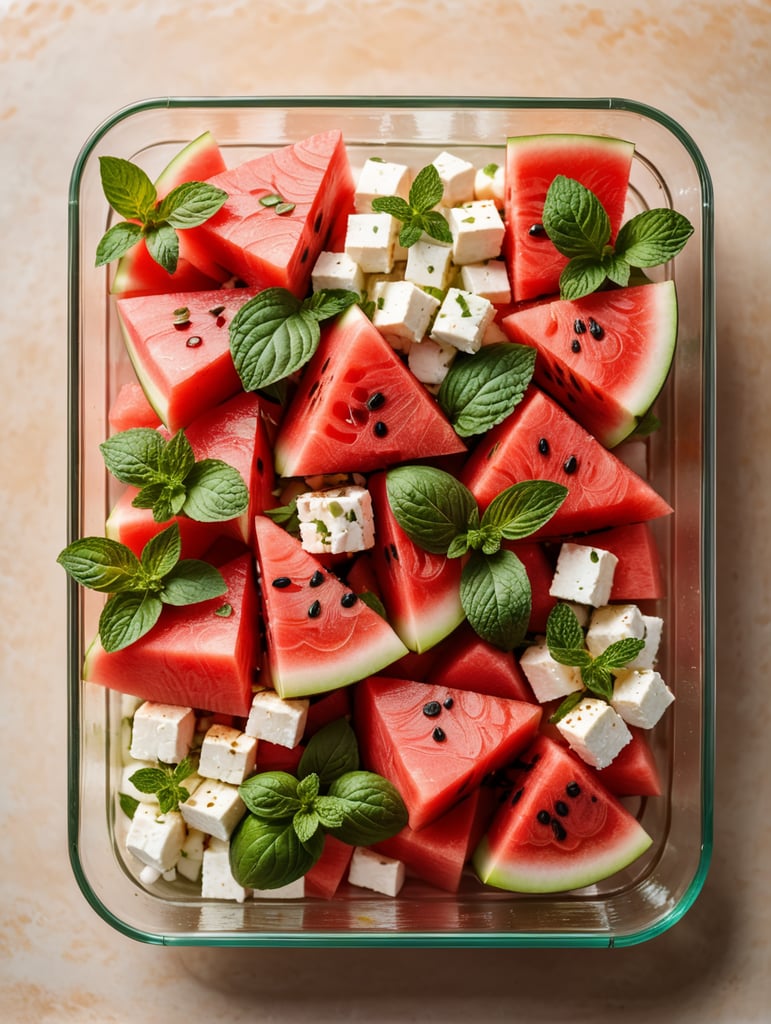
(638, 575)
(559, 829)
(599, 163)
(602, 491)
(266, 248)
(192, 657)
(358, 408)
(131, 409)
(397, 740)
(325, 877)
(467, 662)
(607, 382)
(310, 647)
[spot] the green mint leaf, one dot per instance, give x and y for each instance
(410, 233)
(171, 797)
(271, 795)
(168, 502)
(101, 564)
(372, 808)
(430, 505)
(330, 752)
(161, 553)
(565, 638)
(271, 336)
(618, 654)
(149, 780)
(190, 204)
(330, 811)
(436, 227)
(306, 824)
(616, 269)
(286, 516)
(127, 188)
(426, 189)
(134, 456)
(582, 276)
(128, 804)
(268, 855)
(395, 205)
(308, 788)
(215, 492)
(126, 617)
(649, 424)
(184, 769)
(149, 496)
(116, 242)
(598, 680)
(480, 391)
(575, 220)
(329, 302)
(495, 595)
(177, 459)
(459, 545)
(524, 507)
(653, 237)
(162, 243)
(192, 581)
(373, 601)
(571, 701)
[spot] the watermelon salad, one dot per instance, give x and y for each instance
(335, 343)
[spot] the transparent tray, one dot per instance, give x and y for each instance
(633, 905)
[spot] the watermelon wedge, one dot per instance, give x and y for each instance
(319, 635)
(560, 829)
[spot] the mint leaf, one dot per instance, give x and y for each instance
(134, 456)
(330, 811)
(306, 824)
(177, 459)
(496, 597)
(101, 564)
(480, 391)
(618, 654)
(329, 302)
(653, 237)
(565, 638)
(117, 241)
(215, 492)
(524, 507)
(575, 220)
(271, 795)
(598, 680)
(580, 277)
(430, 505)
(411, 232)
(163, 245)
(161, 553)
(417, 215)
(394, 205)
(616, 269)
(372, 808)
(126, 617)
(571, 701)
(191, 204)
(128, 804)
(268, 855)
(436, 227)
(192, 581)
(127, 188)
(330, 752)
(426, 189)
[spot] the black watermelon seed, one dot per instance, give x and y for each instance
(572, 789)
(438, 734)
(305, 254)
(558, 830)
(516, 797)
(448, 702)
(432, 709)
(194, 341)
(595, 330)
(281, 582)
(544, 817)
(324, 365)
(317, 221)
(315, 610)
(386, 554)
(543, 446)
(575, 344)
(547, 375)
(380, 429)
(375, 401)
(316, 579)
(536, 229)
(579, 327)
(561, 808)
(593, 799)
(260, 466)
(394, 552)
(313, 389)
(348, 600)
(570, 465)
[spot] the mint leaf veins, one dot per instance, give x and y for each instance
(417, 213)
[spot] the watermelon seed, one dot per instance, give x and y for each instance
(570, 465)
(316, 579)
(375, 401)
(595, 330)
(579, 327)
(380, 429)
(558, 830)
(217, 311)
(281, 582)
(543, 817)
(194, 341)
(432, 709)
(543, 446)
(438, 734)
(349, 599)
(260, 465)
(561, 808)
(448, 702)
(315, 610)
(394, 552)
(516, 797)
(536, 229)
(572, 789)
(317, 221)
(575, 344)
(305, 254)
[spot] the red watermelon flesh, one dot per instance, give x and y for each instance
(324, 878)
(131, 409)
(181, 376)
(604, 357)
(316, 639)
(540, 571)
(268, 248)
(560, 829)
(540, 441)
(433, 772)
(638, 575)
(358, 408)
(464, 661)
(192, 657)
(532, 162)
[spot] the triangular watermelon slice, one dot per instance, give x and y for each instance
(358, 408)
(319, 635)
(540, 441)
(436, 743)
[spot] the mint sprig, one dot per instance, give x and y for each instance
(138, 587)
(441, 515)
(417, 213)
(165, 782)
(481, 390)
(578, 225)
(132, 195)
(170, 479)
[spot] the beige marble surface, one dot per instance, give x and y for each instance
(64, 67)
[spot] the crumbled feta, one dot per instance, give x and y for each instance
(337, 270)
(430, 360)
(489, 279)
(457, 176)
(154, 838)
(162, 732)
(217, 880)
(548, 679)
(489, 183)
(336, 520)
(429, 264)
(370, 240)
(613, 622)
(215, 808)
(595, 731)
(462, 320)
(371, 870)
(654, 626)
(477, 232)
(277, 719)
(403, 311)
(641, 697)
(584, 574)
(227, 754)
(380, 178)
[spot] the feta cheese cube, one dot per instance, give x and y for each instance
(462, 320)
(429, 264)
(457, 176)
(430, 360)
(641, 697)
(337, 270)
(336, 520)
(154, 838)
(215, 808)
(191, 855)
(371, 870)
(227, 754)
(489, 183)
(162, 732)
(380, 178)
(489, 279)
(217, 880)
(595, 731)
(613, 622)
(647, 656)
(583, 574)
(277, 719)
(477, 232)
(370, 240)
(548, 679)
(403, 311)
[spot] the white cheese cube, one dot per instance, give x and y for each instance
(191, 855)
(291, 891)
(583, 574)
(493, 334)
(277, 719)
(370, 240)
(337, 270)
(371, 870)
(430, 360)
(154, 838)
(595, 731)
(429, 264)
(217, 880)
(641, 697)
(380, 178)
(227, 754)
(162, 732)
(215, 808)
(457, 176)
(490, 182)
(582, 612)
(647, 656)
(613, 622)
(477, 232)
(490, 280)
(403, 311)
(548, 679)
(462, 320)
(336, 520)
